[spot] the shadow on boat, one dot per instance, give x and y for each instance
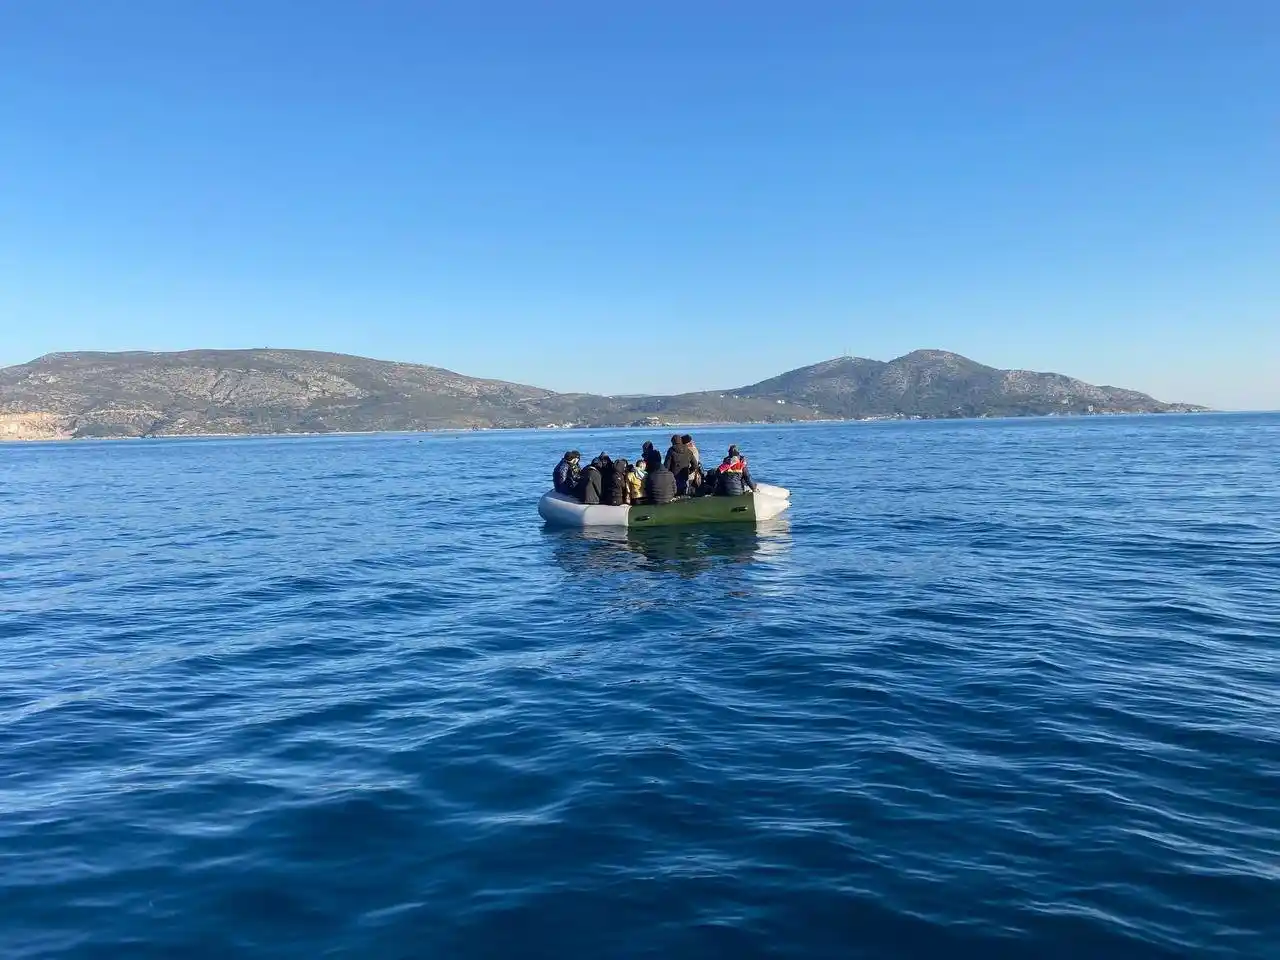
(684, 550)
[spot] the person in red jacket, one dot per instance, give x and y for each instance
(732, 477)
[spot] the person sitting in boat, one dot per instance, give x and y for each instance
(695, 472)
(680, 462)
(733, 479)
(589, 487)
(566, 474)
(635, 482)
(659, 482)
(613, 480)
(693, 448)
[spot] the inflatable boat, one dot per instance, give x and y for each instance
(766, 503)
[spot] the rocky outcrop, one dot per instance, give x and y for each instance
(34, 426)
(297, 391)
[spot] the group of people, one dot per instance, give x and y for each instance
(652, 478)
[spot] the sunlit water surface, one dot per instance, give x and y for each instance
(992, 689)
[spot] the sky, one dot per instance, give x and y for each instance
(652, 197)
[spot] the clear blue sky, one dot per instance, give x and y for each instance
(521, 190)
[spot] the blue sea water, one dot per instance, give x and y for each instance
(992, 689)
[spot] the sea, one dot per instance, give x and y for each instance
(991, 688)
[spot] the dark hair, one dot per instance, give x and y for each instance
(675, 438)
(572, 455)
(653, 460)
(648, 445)
(686, 439)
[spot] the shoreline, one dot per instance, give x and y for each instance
(667, 426)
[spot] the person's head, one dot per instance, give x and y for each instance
(686, 439)
(572, 456)
(648, 445)
(734, 451)
(621, 465)
(675, 439)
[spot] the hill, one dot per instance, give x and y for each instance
(935, 383)
(193, 392)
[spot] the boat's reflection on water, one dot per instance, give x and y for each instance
(684, 550)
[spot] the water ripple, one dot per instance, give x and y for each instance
(1006, 689)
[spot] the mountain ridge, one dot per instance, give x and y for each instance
(273, 390)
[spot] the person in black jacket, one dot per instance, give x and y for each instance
(566, 474)
(590, 485)
(613, 483)
(659, 482)
(680, 462)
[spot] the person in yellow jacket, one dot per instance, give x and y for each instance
(635, 483)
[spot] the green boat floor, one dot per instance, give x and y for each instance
(696, 510)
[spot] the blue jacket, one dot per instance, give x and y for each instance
(565, 478)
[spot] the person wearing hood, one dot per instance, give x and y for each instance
(680, 462)
(589, 487)
(635, 482)
(733, 479)
(659, 482)
(566, 474)
(613, 488)
(696, 477)
(693, 449)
